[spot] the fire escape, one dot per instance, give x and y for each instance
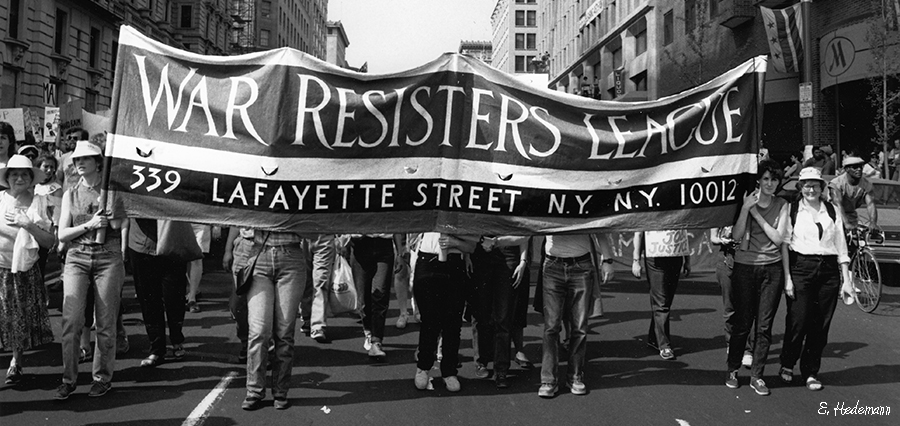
(243, 36)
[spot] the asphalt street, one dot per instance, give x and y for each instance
(337, 384)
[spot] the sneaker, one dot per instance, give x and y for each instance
(281, 402)
(252, 402)
(151, 361)
(747, 360)
(452, 383)
(666, 354)
(481, 371)
(732, 380)
(402, 321)
(99, 388)
(577, 387)
(375, 350)
(193, 307)
(14, 374)
(813, 384)
(123, 347)
(523, 361)
(368, 343)
(501, 381)
(305, 328)
(421, 379)
(759, 386)
(786, 375)
(547, 390)
(64, 390)
(178, 351)
(318, 335)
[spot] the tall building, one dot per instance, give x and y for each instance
(336, 44)
(515, 29)
(648, 49)
(478, 49)
(61, 50)
(268, 24)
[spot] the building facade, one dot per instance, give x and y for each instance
(478, 49)
(514, 37)
(56, 51)
(648, 49)
(336, 44)
(268, 24)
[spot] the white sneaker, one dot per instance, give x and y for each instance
(747, 360)
(452, 383)
(368, 343)
(402, 320)
(422, 379)
(376, 351)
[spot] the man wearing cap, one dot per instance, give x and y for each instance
(821, 160)
(851, 191)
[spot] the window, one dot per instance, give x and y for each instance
(264, 38)
(94, 52)
(90, 101)
(265, 8)
(640, 82)
(187, 18)
(713, 7)
(640, 41)
(690, 15)
(115, 55)
(524, 63)
(531, 18)
(9, 88)
(668, 29)
(14, 14)
(616, 57)
(526, 1)
(59, 43)
(520, 18)
(525, 41)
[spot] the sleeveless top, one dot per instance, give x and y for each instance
(85, 203)
(761, 250)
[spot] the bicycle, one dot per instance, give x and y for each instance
(864, 269)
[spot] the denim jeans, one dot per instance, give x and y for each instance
(662, 274)
(314, 304)
(756, 293)
(567, 291)
(376, 259)
(103, 266)
(724, 274)
(160, 284)
(440, 294)
(272, 302)
(816, 282)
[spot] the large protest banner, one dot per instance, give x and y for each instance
(281, 140)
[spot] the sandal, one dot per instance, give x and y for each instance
(786, 375)
(178, 351)
(151, 361)
(813, 384)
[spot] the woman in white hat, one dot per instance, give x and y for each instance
(24, 322)
(815, 260)
(90, 260)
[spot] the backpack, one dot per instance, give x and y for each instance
(795, 206)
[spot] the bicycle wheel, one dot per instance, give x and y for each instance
(866, 280)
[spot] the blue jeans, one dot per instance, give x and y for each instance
(314, 304)
(756, 292)
(495, 304)
(662, 274)
(272, 302)
(567, 290)
(816, 283)
(103, 266)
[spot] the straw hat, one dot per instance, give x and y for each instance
(20, 162)
(86, 149)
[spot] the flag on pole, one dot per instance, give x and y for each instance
(783, 30)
